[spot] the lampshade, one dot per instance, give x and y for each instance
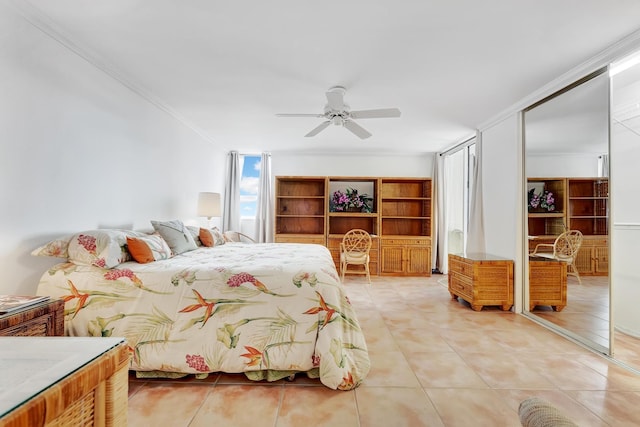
(209, 204)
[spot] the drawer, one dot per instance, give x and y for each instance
(417, 241)
(460, 285)
(299, 239)
(462, 268)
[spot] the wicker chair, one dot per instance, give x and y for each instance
(565, 249)
(354, 250)
(236, 236)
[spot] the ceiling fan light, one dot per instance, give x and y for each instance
(337, 120)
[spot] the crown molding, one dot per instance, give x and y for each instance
(618, 50)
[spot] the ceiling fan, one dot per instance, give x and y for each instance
(338, 112)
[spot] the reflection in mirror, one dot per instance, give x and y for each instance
(625, 218)
(566, 159)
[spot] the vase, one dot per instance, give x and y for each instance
(354, 209)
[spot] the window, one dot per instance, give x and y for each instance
(249, 185)
(459, 183)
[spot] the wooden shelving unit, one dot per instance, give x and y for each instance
(405, 218)
(588, 202)
(581, 204)
(589, 205)
(301, 210)
(549, 224)
(399, 222)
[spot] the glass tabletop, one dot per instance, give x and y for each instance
(30, 365)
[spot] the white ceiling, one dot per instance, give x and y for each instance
(226, 68)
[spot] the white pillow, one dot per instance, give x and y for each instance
(102, 248)
(176, 234)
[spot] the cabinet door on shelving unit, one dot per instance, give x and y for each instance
(601, 255)
(392, 259)
(419, 261)
(584, 260)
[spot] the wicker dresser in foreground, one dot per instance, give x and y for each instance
(39, 320)
(63, 381)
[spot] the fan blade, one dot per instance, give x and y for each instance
(299, 115)
(322, 126)
(335, 99)
(375, 114)
(357, 129)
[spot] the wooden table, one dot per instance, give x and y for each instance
(481, 279)
(547, 283)
(63, 381)
(43, 319)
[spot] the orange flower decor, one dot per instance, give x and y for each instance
(202, 303)
(254, 356)
(347, 382)
(82, 298)
(322, 307)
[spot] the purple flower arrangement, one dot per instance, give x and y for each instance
(544, 200)
(349, 199)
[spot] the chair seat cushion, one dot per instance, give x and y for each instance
(355, 258)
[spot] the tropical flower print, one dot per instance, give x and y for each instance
(125, 272)
(186, 276)
(202, 303)
(88, 243)
(347, 382)
(305, 277)
(322, 307)
(197, 362)
(99, 326)
(240, 278)
(227, 334)
(254, 356)
(315, 359)
(100, 262)
(82, 298)
(269, 313)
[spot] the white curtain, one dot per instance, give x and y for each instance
(603, 165)
(475, 239)
(264, 209)
(440, 257)
(231, 215)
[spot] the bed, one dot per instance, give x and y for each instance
(267, 310)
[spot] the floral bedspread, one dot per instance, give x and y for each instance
(267, 310)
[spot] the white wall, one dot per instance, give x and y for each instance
(501, 187)
(80, 151)
(374, 164)
(625, 209)
(562, 165)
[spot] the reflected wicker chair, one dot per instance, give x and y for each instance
(354, 250)
(565, 249)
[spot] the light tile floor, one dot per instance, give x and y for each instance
(587, 315)
(435, 362)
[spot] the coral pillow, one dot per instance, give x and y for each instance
(206, 237)
(139, 250)
(148, 248)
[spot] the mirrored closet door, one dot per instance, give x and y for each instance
(566, 139)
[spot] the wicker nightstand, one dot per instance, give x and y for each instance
(39, 320)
